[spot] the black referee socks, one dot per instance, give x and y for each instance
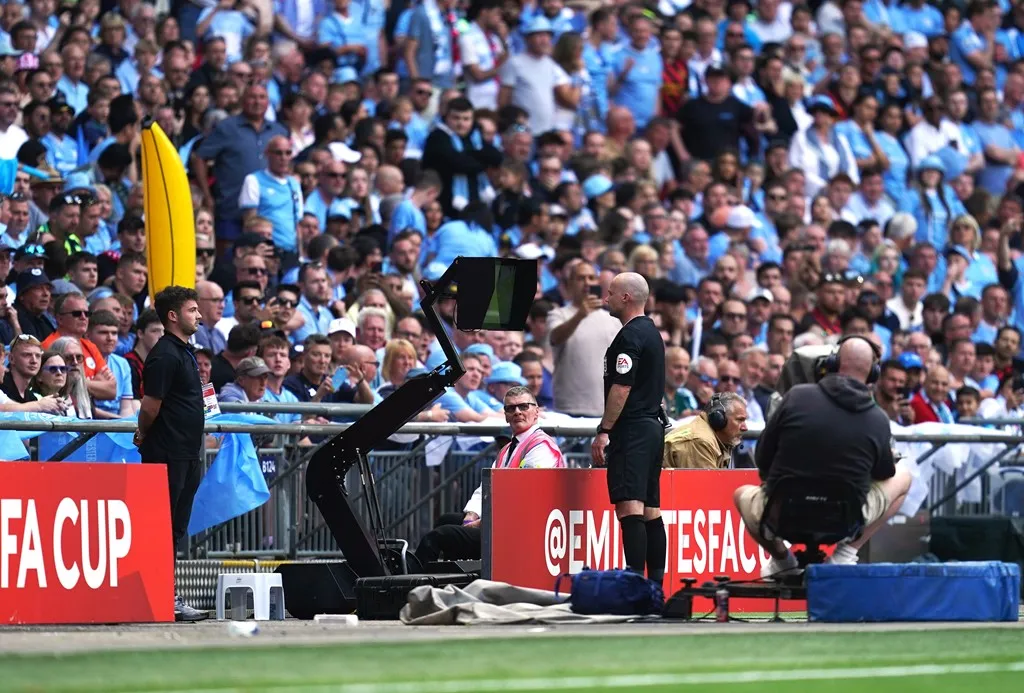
(634, 542)
(656, 547)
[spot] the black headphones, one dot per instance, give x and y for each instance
(715, 410)
(831, 364)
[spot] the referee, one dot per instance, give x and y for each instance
(171, 418)
(631, 436)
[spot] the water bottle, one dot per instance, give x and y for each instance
(722, 605)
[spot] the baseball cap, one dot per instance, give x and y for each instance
(60, 103)
(740, 217)
(760, 293)
(342, 152)
(715, 71)
(597, 185)
(910, 360)
(506, 372)
(538, 25)
(342, 325)
(30, 250)
(27, 61)
(31, 278)
(252, 366)
(532, 251)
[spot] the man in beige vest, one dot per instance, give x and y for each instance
(706, 442)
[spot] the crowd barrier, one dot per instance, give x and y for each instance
(432, 469)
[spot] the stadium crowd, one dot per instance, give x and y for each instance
(782, 174)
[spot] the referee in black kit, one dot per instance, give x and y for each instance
(171, 419)
(631, 436)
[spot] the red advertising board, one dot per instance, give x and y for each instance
(546, 522)
(85, 543)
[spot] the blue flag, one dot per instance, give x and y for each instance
(234, 484)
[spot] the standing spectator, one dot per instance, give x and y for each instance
(11, 135)
(483, 51)
(533, 80)
(171, 418)
(717, 120)
(428, 49)
(236, 148)
(580, 334)
(821, 151)
(241, 344)
(148, 331)
(637, 72)
(313, 306)
(461, 157)
(274, 193)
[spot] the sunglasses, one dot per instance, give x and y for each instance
(23, 338)
(255, 271)
(205, 252)
(729, 379)
(287, 303)
(734, 316)
(708, 380)
(249, 300)
(17, 197)
(74, 358)
(56, 370)
(78, 313)
(524, 406)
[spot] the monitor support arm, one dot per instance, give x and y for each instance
(325, 474)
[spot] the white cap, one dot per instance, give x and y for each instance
(760, 292)
(532, 251)
(342, 325)
(344, 153)
(914, 39)
(740, 217)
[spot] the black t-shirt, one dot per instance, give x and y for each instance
(636, 358)
(11, 390)
(221, 372)
(171, 374)
(708, 128)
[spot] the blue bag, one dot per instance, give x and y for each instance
(618, 592)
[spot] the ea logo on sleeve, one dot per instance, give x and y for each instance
(623, 363)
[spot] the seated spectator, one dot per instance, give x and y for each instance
(250, 383)
(930, 402)
(704, 444)
(241, 344)
(16, 393)
(530, 447)
(103, 326)
(72, 312)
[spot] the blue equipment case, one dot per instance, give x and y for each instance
(880, 592)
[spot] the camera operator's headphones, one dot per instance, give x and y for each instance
(715, 410)
(831, 363)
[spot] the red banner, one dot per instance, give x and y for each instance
(546, 522)
(85, 543)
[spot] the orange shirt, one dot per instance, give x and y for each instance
(94, 361)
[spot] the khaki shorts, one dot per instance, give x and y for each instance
(752, 499)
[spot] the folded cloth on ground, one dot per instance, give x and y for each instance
(484, 602)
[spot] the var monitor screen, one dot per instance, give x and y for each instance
(494, 293)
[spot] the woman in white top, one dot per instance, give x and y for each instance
(819, 150)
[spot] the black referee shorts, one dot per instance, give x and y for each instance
(634, 455)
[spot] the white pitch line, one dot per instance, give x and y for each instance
(643, 680)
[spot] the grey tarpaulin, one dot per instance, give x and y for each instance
(483, 602)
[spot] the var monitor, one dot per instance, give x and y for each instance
(494, 293)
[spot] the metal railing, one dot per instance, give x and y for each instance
(414, 493)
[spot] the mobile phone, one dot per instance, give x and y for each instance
(904, 393)
(377, 267)
(595, 290)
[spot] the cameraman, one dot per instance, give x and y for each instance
(892, 393)
(833, 431)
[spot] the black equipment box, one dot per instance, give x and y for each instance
(382, 598)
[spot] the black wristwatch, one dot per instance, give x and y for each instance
(601, 429)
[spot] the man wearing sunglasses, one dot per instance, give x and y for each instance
(530, 448)
(72, 313)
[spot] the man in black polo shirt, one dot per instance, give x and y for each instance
(631, 436)
(171, 418)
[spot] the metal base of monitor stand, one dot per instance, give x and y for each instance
(367, 551)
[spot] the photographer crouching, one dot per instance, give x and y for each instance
(832, 431)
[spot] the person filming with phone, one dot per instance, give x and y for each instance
(580, 334)
(893, 395)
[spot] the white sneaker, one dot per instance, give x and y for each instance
(843, 555)
(780, 567)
